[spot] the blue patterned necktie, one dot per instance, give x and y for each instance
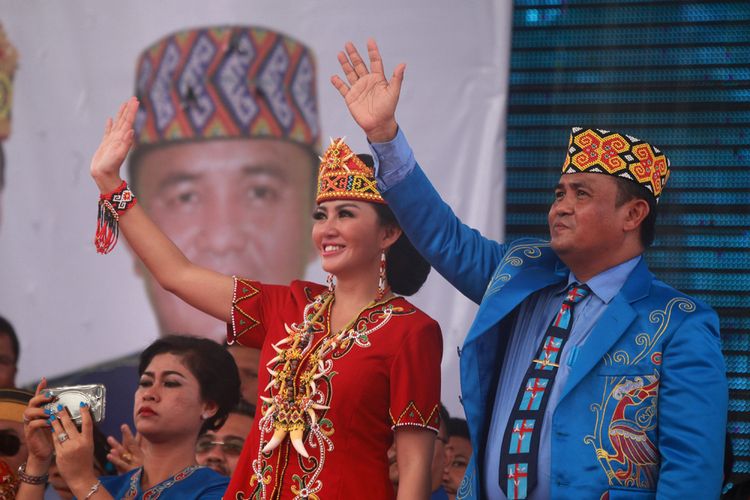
(518, 461)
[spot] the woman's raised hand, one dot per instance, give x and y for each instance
(117, 140)
(370, 97)
(36, 427)
(127, 455)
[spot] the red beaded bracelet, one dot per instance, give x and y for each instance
(111, 205)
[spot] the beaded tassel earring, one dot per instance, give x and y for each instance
(331, 284)
(381, 276)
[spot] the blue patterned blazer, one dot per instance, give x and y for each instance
(643, 413)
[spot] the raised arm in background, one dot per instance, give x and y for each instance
(202, 288)
(459, 253)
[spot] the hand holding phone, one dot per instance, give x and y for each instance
(72, 396)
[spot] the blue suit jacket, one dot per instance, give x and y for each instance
(643, 413)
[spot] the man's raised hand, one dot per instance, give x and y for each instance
(370, 97)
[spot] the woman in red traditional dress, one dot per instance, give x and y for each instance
(351, 366)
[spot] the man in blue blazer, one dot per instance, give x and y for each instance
(636, 407)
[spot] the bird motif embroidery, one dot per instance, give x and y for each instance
(635, 458)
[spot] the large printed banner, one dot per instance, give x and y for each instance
(77, 61)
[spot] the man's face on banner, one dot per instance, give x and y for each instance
(237, 206)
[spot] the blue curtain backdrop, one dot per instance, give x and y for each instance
(676, 74)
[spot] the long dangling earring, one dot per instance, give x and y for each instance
(331, 284)
(381, 276)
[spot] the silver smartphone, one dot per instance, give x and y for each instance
(72, 396)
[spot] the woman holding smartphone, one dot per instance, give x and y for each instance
(187, 385)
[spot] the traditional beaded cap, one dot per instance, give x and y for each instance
(8, 63)
(343, 176)
(620, 155)
(226, 82)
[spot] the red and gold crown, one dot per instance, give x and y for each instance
(8, 63)
(604, 152)
(344, 176)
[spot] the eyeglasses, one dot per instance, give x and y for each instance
(230, 446)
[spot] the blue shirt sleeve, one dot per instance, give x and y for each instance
(461, 254)
(394, 160)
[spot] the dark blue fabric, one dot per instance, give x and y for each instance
(202, 483)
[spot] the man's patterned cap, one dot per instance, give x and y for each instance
(8, 63)
(226, 82)
(620, 155)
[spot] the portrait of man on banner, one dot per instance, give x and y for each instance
(225, 158)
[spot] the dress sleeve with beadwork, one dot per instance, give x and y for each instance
(255, 306)
(415, 377)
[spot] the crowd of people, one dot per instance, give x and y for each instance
(174, 371)
(582, 376)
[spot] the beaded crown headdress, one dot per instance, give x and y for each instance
(604, 152)
(8, 63)
(224, 82)
(344, 176)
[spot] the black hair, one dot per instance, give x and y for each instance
(406, 270)
(444, 416)
(101, 450)
(628, 190)
(241, 408)
(458, 427)
(7, 329)
(244, 407)
(210, 363)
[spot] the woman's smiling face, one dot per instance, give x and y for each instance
(349, 236)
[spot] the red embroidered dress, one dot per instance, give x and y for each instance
(349, 388)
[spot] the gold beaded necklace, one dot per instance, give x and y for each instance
(289, 406)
